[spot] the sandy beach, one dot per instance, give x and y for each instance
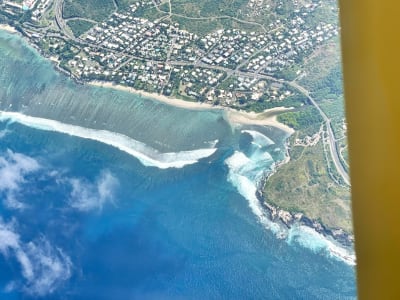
(267, 118)
(158, 97)
(7, 28)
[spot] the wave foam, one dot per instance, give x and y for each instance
(309, 238)
(259, 138)
(245, 173)
(145, 154)
(238, 164)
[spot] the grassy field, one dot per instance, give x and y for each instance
(79, 27)
(313, 192)
(212, 9)
(96, 10)
(204, 26)
(149, 13)
(199, 27)
(320, 63)
(124, 4)
(208, 8)
(324, 80)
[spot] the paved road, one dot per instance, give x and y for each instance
(333, 146)
(334, 149)
(58, 9)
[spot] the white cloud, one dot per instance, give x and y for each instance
(88, 196)
(13, 169)
(8, 238)
(11, 286)
(43, 266)
(49, 267)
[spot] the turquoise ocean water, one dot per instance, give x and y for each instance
(106, 195)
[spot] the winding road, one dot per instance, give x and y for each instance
(333, 145)
(58, 10)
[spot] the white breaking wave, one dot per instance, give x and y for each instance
(238, 163)
(145, 154)
(245, 173)
(309, 238)
(259, 138)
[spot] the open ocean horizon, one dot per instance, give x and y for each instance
(106, 195)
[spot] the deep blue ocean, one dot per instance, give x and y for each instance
(83, 219)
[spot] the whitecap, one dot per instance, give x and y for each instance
(239, 166)
(245, 172)
(259, 139)
(308, 238)
(144, 153)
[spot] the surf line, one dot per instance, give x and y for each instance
(245, 171)
(147, 155)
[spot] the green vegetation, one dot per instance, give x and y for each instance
(199, 27)
(208, 8)
(324, 72)
(234, 24)
(288, 74)
(25, 17)
(285, 8)
(67, 52)
(264, 103)
(325, 81)
(124, 4)
(327, 13)
(335, 110)
(305, 185)
(329, 86)
(212, 15)
(164, 7)
(301, 119)
(309, 183)
(79, 27)
(150, 13)
(96, 10)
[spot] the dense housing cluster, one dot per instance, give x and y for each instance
(231, 66)
(244, 54)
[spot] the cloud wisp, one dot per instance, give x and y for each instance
(86, 196)
(14, 167)
(44, 267)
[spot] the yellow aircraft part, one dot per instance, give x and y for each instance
(371, 57)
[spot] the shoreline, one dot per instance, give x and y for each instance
(289, 218)
(235, 117)
(8, 28)
(265, 118)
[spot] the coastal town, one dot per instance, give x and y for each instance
(229, 67)
(262, 59)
